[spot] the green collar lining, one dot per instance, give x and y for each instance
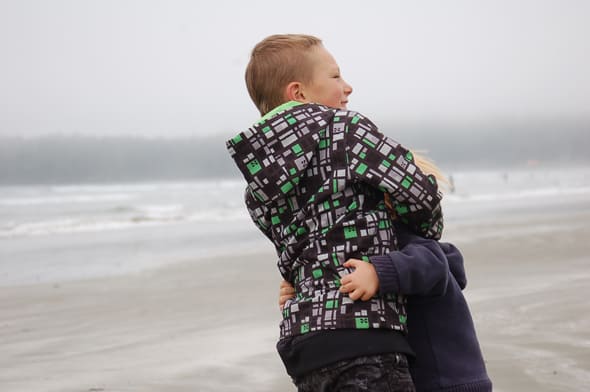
(280, 108)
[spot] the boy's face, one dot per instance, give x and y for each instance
(327, 86)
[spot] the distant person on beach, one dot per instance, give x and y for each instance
(317, 174)
(440, 328)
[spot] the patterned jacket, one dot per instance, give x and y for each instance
(316, 178)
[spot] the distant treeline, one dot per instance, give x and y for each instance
(506, 145)
(84, 159)
(76, 159)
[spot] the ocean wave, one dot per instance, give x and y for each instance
(519, 194)
(132, 218)
(38, 210)
(62, 226)
(51, 199)
(78, 194)
(151, 186)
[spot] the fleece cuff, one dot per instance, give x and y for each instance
(387, 273)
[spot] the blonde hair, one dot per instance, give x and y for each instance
(276, 61)
(429, 167)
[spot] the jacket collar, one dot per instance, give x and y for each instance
(281, 108)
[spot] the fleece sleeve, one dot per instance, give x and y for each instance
(455, 260)
(418, 268)
(383, 163)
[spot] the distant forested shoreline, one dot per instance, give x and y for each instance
(76, 159)
(86, 159)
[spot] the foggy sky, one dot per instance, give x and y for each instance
(175, 68)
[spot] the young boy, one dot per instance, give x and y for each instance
(316, 175)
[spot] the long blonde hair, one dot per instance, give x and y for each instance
(429, 167)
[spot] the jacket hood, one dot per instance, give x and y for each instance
(274, 153)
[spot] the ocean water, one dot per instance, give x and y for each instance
(49, 234)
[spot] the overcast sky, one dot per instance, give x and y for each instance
(175, 68)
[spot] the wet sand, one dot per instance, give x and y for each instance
(211, 325)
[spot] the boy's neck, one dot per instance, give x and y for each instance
(280, 108)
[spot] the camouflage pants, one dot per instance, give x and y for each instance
(376, 373)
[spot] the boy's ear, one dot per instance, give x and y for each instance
(294, 92)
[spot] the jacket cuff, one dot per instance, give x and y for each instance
(387, 274)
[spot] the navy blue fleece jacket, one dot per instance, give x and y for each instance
(440, 328)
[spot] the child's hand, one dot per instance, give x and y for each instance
(362, 283)
(286, 291)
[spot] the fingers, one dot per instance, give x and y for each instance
(284, 283)
(366, 296)
(355, 290)
(283, 299)
(347, 284)
(286, 292)
(346, 280)
(352, 289)
(285, 289)
(356, 294)
(352, 263)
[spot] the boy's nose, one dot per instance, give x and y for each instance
(347, 88)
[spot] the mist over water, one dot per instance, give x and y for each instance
(75, 159)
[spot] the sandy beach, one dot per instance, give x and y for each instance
(210, 324)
